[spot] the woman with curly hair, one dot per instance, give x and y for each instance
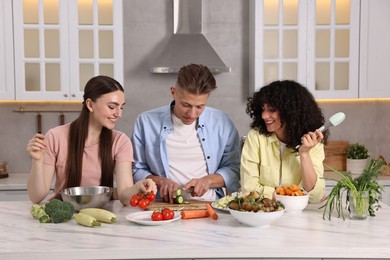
(283, 146)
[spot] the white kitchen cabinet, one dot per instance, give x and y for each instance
(18, 195)
(386, 195)
(7, 89)
(14, 195)
(375, 49)
(313, 42)
(294, 50)
(14, 187)
(59, 45)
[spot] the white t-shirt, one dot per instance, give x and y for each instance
(186, 157)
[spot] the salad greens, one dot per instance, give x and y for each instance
(223, 203)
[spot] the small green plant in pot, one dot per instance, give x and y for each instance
(357, 151)
(357, 158)
(363, 193)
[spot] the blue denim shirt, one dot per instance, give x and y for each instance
(217, 133)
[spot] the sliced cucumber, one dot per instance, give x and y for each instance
(178, 200)
(178, 192)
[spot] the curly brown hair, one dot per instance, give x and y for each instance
(297, 108)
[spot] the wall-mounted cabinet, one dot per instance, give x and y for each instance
(375, 49)
(330, 46)
(7, 86)
(60, 44)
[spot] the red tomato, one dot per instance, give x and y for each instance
(157, 216)
(167, 214)
(143, 203)
(134, 201)
(172, 214)
(151, 196)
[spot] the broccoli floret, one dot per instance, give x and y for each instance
(38, 212)
(59, 211)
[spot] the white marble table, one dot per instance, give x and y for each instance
(302, 235)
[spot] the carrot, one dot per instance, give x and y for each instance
(211, 211)
(188, 214)
(292, 190)
(279, 190)
(294, 187)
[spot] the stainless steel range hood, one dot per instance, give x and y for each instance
(188, 45)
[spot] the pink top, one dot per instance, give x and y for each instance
(57, 149)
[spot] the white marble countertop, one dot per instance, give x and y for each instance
(301, 235)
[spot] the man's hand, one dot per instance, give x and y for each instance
(168, 189)
(197, 187)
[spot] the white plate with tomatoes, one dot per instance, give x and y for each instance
(145, 218)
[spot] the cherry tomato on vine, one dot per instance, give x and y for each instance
(134, 201)
(157, 216)
(143, 203)
(142, 200)
(151, 196)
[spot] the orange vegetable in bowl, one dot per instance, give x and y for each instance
(292, 197)
(292, 190)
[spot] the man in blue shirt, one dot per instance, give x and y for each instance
(186, 144)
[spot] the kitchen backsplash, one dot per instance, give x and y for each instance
(366, 122)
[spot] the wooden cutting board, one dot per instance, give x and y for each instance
(188, 205)
(335, 155)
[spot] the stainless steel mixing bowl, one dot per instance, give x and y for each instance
(87, 196)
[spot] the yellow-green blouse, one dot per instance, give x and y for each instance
(261, 161)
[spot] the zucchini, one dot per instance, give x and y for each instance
(100, 215)
(178, 200)
(86, 220)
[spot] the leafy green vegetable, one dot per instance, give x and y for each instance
(367, 181)
(38, 212)
(59, 211)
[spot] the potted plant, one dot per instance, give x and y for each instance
(357, 158)
(363, 193)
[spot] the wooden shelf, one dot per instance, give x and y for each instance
(26, 110)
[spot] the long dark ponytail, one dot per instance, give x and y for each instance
(78, 132)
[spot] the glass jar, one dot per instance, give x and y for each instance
(358, 204)
(3, 169)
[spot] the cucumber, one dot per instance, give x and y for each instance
(178, 192)
(178, 200)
